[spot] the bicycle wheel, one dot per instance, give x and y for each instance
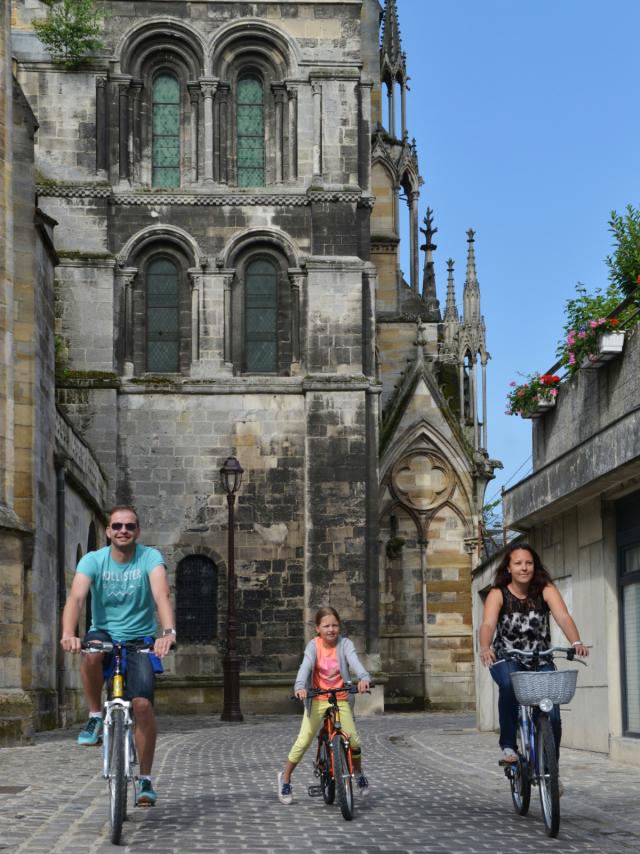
(342, 777)
(548, 776)
(117, 777)
(327, 782)
(520, 780)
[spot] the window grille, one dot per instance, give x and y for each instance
(166, 132)
(260, 317)
(162, 317)
(196, 600)
(250, 132)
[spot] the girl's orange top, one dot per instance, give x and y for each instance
(326, 673)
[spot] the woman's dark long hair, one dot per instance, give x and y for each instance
(540, 577)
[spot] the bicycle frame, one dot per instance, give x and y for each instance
(330, 726)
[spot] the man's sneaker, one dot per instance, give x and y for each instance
(92, 732)
(146, 796)
(285, 792)
(362, 786)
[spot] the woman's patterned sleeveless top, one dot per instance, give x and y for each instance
(522, 624)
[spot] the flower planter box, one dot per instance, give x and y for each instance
(610, 345)
(542, 407)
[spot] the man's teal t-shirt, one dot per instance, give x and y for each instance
(122, 603)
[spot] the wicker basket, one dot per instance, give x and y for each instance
(531, 687)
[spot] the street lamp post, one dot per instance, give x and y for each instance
(231, 476)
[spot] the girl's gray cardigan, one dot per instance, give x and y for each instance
(347, 661)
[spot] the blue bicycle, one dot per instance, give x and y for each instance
(537, 692)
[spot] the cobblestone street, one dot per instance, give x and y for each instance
(435, 785)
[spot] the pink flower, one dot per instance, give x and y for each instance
(572, 359)
(582, 334)
(594, 323)
(554, 392)
(513, 384)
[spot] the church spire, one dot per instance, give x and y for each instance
(429, 294)
(471, 286)
(451, 310)
(392, 58)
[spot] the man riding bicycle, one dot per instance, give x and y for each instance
(128, 582)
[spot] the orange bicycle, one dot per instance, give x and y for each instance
(334, 763)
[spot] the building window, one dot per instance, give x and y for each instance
(196, 599)
(261, 301)
(163, 338)
(628, 540)
(250, 132)
(166, 132)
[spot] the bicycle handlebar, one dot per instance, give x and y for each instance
(108, 646)
(348, 689)
(569, 652)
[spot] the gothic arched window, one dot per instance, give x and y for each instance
(166, 131)
(250, 132)
(261, 308)
(196, 599)
(163, 317)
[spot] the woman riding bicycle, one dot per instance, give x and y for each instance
(328, 658)
(517, 611)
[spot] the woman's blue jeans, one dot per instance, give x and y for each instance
(508, 705)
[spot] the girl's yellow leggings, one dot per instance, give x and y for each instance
(312, 722)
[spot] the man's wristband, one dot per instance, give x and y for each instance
(166, 632)
(577, 643)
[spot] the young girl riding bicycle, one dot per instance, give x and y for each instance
(328, 660)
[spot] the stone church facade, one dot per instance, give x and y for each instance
(223, 188)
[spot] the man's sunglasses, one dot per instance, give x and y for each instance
(129, 526)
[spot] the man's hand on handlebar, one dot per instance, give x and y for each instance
(69, 643)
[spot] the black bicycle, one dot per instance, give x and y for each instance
(537, 692)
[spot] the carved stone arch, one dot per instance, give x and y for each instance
(426, 437)
(467, 522)
(232, 42)
(145, 340)
(162, 234)
(162, 36)
(248, 237)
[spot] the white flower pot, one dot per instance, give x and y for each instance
(541, 407)
(610, 345)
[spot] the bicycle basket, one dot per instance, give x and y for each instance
(531, 687)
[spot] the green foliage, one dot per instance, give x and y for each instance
(70, 32)
(581, 313)
(624, 263)
(525, 399)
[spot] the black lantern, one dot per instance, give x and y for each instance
(231, 475)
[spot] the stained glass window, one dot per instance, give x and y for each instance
(260, 317)
(162, 317)
(250, 132)
(166, 132)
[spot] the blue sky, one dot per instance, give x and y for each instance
(526, 117)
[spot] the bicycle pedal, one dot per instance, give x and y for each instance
(314, 791)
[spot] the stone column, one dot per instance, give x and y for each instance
(195, 277)
(228, 354)
(364, 148)
(316, 89)
(414, 242)
(403, 105)
(222, 136)
(297, 280)
(102, 126)
(292, 166)
(484, 402)
(473, 394)
(279, 95)
(126, 277)
(392, 107)
(123, 130)
(462, 412)
(208, 88)
(194, 97)
(134, 130)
